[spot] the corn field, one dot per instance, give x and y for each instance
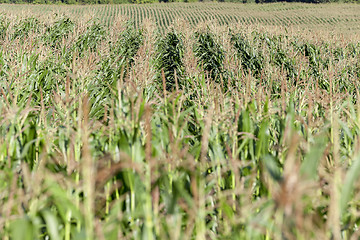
(207, 132)
(330, 17)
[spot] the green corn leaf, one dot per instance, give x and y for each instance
(51, 225)
(272, 167)
(348, 186)
(310, 164)
(22, 229)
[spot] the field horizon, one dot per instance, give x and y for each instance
(340, 18)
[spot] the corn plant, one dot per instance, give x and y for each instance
(210, 54)
(25, 27)
(115, 66)
(4, 25)
(280, 58)
(55, 34)
(170, 51)
(251, 60)
(89, 40)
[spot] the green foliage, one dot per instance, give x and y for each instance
(89, 151)
(128, 45)
(313, 54)
(4, 24)
(170, 51)
(251, 60)
(90, 39)
(114, 67)
(122, 55)
(280, 58)
(210, 54)
(25, 27)
(60, 30)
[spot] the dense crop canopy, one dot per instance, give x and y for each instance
(213, 133)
